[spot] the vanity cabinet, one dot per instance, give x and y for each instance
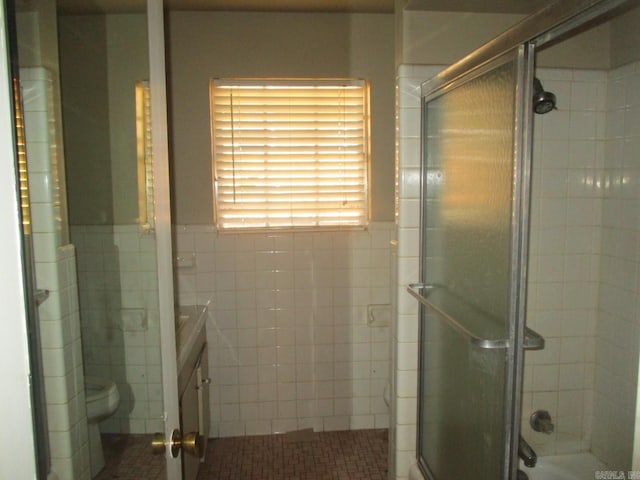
(193, 389)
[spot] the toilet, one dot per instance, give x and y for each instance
(102, 399)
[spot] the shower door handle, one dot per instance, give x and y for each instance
(532, 339)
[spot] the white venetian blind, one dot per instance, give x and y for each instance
(290, 153)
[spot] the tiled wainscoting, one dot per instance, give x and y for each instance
(290, 346)
(119, 310)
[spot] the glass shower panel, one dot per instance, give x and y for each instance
(466, 256)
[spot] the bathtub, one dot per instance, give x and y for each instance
(577, 466)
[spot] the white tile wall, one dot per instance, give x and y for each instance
(584, 266)
(55, 265)
(63, 371)
(289, 343)
(404, 334)
(568, 157)
(617, 333)
(120, 321)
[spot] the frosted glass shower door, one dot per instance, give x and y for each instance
(471, 239)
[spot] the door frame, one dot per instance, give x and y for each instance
(19, 461)
(162, 212)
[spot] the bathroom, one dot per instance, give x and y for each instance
(334, 299)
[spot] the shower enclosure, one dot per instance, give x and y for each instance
(475, 253)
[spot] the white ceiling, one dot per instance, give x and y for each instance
(370, 6)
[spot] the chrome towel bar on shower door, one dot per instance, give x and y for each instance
(532, 340)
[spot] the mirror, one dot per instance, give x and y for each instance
(106, 113)
(82, 74)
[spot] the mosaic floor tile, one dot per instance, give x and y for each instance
(348, 455)
(305, 455)
(129, 457)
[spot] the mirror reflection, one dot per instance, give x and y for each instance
(85, 103)
(104, 72)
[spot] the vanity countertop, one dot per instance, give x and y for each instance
(190, 334)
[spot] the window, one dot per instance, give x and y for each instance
(290, 153)
(144, 156)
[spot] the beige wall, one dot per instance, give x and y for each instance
(625, 38)
(589, 49)
(442, 38)
(128, 62)
(86, 118)
(101, 59)
(203, 45)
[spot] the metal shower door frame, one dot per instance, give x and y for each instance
(513, 344)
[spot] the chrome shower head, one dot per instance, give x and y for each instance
(543, 102)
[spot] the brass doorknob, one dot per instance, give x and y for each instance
(159, 443)
(190, 443)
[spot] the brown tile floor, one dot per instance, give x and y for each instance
(129, 457)
(348, 455)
